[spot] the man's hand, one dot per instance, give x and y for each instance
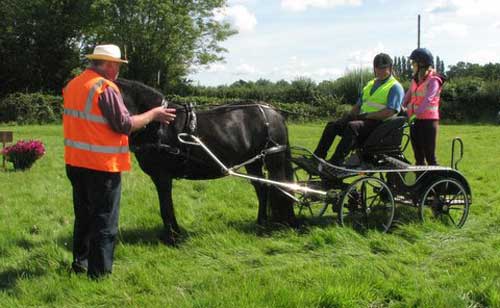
(412, 118)
(163, 115)
(159, 114)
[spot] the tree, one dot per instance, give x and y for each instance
(39, 43)
(161, 39)
(301, 90)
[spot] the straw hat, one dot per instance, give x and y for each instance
(107, 53)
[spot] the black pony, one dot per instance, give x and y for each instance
(235, 133)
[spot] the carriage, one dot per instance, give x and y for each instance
(376, 179)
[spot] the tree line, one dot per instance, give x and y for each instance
(402, 67)
(43, 42)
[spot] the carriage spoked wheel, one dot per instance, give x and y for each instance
(445, 200)
(312, 206)
(309, 204)
(367, 204)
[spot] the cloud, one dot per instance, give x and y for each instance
(238, 16)
(328, 73)
(296, 67)
(483, 56)
(464, 7)
(234, 2)
(364, 58)
(245, 69)
(215, 68)
(451, 29)
(442, 7)
(210, 68)
(302, 5)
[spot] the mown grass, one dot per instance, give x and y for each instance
(227, 261)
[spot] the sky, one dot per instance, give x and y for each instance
(323, 39)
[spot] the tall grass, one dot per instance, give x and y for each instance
(227, 261)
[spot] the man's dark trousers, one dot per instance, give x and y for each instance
(352, 131)
(96, 201)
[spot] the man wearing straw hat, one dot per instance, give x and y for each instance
(96, 127)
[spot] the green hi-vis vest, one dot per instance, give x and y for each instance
(378, 100)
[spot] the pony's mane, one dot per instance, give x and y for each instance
(138, 86)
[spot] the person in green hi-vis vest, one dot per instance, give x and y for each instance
(380, 99)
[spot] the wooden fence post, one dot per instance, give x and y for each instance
(5, 137)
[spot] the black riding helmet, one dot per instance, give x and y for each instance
(382, 60)
(422, 56)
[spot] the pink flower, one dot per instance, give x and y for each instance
(24, 153)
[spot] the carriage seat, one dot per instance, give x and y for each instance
(386, 137)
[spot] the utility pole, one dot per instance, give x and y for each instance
(418, 31)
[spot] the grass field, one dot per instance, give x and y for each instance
(227, 261)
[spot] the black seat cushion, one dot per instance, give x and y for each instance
(387, 135)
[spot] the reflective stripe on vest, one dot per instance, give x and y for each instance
(85, 114)
(95, 148)
(376, 101)
(374, 105)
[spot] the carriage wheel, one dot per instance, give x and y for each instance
(309, 204)
(445, 200)
(367, 204)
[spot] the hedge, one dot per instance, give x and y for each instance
(31, 108)
(463, 99)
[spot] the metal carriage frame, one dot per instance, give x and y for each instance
(365, 196)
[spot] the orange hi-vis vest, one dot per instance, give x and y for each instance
(89, 141)
(418, 92)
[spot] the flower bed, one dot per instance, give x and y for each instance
(24, 153)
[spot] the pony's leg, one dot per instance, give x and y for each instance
(164, 188)
(255, 169)
(281, 205)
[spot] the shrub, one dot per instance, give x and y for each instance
(348, 87)
(23, 154)
(325, 107)
(31, 108)
(470, 99)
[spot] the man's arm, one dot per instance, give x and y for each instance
(355, 110)
(159, 114)
(120, 120)
(381, 115)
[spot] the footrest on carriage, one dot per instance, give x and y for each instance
(333, 171)
(318, 167)
(309, 164)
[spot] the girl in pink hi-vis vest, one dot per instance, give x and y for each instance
(422, 104)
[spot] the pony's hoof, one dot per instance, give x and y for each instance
(169, 240)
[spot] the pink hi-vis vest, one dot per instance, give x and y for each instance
(418, 93)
